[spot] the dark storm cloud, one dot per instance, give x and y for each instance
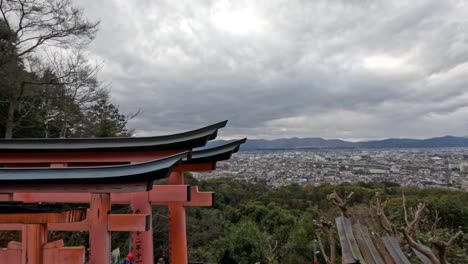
(346, 69)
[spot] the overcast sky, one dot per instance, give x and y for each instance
(350, 69)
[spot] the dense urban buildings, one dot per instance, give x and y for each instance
(417, 167)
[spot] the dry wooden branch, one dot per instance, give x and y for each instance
(326, 227)
(379, 208)
(441, 246)
(271, 251)
(424, 250)
(436, 221)
(412, 226)
(341, 203)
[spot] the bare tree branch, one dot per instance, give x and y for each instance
(424, 250)
(441, 246)
(341, 203)
(31, 24)
(51, 22)
(412, 226)
(327, 228)
(379, 208)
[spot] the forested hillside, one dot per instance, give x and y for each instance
(257, 223)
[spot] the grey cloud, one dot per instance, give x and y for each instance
(347, 69)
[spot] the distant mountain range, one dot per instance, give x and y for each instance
(314, 143)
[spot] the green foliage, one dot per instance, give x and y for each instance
(298, 248)
(452, 205)
(103, 119)
(256, 222)
(244, 240)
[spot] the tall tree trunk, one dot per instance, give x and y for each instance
(10, 122)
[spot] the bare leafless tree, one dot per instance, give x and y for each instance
(326, 227)
(412, 218)
(34, 23)
(378, 209)
(78, 82)
(441, 245)
(342, 203)
(28, 25)
(412, 226)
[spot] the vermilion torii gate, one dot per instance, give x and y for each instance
(179, 196)
(34, 220)
(99, 182)
(92, 152)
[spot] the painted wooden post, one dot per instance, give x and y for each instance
(142, 241)
(33, 237)
(99, 235)
(177, 228)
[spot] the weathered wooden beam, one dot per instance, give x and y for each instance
(366, 245)
(349, 247)
(392, 246)
(380, 246)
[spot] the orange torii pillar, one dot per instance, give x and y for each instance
(140, 201)
(160, 195)
(142, 241)
(99, 235)
(30, 233)
(33, 226)
(177, 228)
(33, 237)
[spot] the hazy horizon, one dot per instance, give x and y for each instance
(349, 140)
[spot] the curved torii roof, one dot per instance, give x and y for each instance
(215, 154)
(187, 140)
(138, 172)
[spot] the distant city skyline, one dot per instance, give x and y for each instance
(429, 167)
(352, 70)
(329, 138)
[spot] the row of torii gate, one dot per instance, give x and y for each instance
(101, 172)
